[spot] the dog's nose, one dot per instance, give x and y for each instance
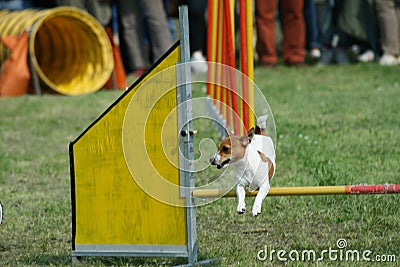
(212, 160)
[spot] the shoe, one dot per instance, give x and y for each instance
(326, 57)
(388, 60)
(367, 56)
(315, 53)
(341, 56)
(198, 63)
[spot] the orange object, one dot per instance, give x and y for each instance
(14, 74)
(119, 71)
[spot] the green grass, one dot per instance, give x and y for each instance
(337, 125)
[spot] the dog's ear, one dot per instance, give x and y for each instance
(250, 133)
(246, 139)
(228, 133)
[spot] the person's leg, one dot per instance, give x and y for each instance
(197, 25)
(293, 31)
(325, 31)
(388, 26)
(265, 23)
(130, 37)
(76, 3)
(158, 30)
(324, 23)
(310, 19)
(198, 35)
(100, 10)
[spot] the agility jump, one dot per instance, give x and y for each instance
(306, 191)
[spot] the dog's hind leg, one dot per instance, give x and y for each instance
(241, 193)
(262, 193)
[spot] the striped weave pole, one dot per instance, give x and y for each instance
(250, 61)
(231, 99)
(305, 191)
(244, 62)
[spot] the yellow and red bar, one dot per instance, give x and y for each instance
(306, 191)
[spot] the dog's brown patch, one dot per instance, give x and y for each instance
(266, 159)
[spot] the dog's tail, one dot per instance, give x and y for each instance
(261, 124)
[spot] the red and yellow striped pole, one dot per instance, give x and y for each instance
(306, 190)
(244, 62)
(250, 61)
(230, 73)
(211, 45)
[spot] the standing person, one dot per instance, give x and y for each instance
(131, 32)
(293, 32)
(388, 14)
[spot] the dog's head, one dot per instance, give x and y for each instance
(231, 149)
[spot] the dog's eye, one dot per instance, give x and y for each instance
(225, 149)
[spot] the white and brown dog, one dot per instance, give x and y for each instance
(253, 155)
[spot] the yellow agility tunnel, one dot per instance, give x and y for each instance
(68, 48)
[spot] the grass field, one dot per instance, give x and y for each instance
(338, 125)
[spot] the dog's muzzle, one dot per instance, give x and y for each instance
(213, 160)
(224, 164)
(216, 161)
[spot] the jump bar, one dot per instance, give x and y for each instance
(305, 191)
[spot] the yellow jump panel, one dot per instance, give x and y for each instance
(109, 206)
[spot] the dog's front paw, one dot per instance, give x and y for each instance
(256, 209)
(241, 209)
